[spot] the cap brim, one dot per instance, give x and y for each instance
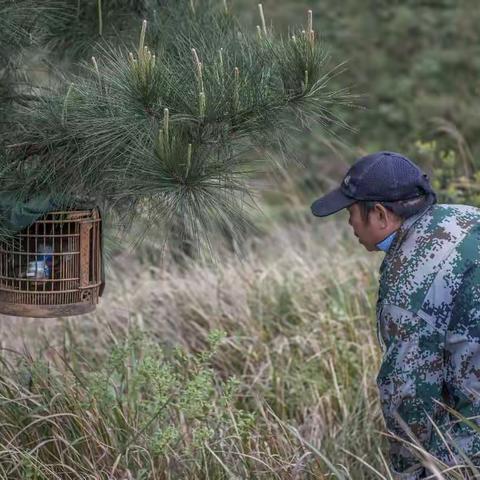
(333, 202)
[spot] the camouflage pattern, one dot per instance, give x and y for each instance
(428, 323)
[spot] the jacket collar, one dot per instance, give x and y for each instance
(405, 229)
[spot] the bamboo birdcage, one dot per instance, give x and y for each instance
(54, 267)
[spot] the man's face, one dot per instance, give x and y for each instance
(370, 232)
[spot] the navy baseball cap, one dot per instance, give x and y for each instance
(381, 177)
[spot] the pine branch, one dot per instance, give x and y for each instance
(173, 128)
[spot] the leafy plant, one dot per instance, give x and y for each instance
(453, 182)
(141, 404)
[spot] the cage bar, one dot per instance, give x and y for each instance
(54, 267)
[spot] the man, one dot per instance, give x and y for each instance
(428, 308)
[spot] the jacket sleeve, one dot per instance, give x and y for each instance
(409, 380)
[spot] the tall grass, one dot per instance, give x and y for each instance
(148, 387)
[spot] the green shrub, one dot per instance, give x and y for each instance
(455, 180)
(138, 405)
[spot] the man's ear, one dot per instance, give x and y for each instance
(381, 214)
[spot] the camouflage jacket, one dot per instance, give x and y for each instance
(428, 323)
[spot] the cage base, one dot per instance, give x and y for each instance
(46, 311)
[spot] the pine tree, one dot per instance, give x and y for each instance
(17, 29)
(169, 129)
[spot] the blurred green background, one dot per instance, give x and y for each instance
(415, 66)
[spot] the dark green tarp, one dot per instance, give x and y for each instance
(16, 215)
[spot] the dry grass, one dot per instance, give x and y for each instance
(298, 315)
